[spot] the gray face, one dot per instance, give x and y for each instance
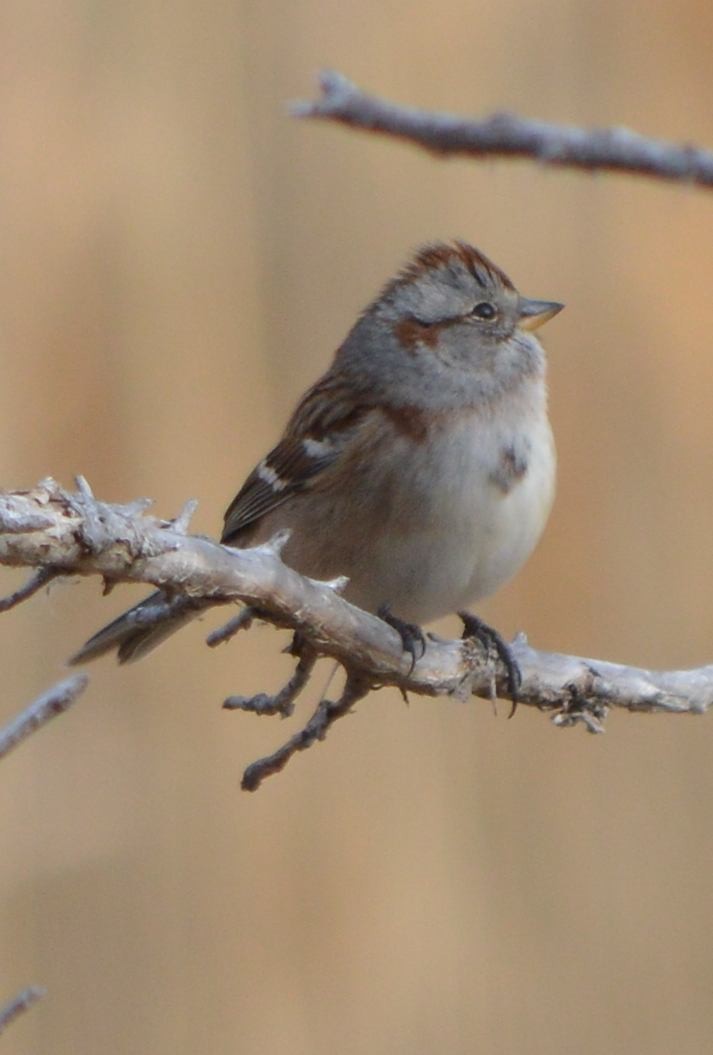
(463, 300)
(449, 327)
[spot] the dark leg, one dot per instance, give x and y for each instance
(491, 641)
(412, 636)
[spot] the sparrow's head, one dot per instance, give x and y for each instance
(452, 295)
(450, 328)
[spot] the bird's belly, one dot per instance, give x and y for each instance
(509, 527)
(467, 533)
(437, 528)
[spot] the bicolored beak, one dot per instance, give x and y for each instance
(535, 313)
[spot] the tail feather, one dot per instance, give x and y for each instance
(135, 633)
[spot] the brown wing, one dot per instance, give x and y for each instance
(314, 439)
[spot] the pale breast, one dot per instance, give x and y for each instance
(433, 519)
(512, 518)
(490, 493)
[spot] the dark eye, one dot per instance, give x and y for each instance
(484, 310)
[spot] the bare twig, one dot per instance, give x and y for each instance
(36, 581)
(507, 135)
(22, 1002)
(55, 701)
(242, 621)
(316, 729)
(283, 702)
(123, 544)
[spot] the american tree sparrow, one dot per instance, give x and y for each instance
(421, 465)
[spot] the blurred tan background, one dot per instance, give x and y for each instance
(179, 261)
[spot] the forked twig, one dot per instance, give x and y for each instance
(283, 702)
(326, 714)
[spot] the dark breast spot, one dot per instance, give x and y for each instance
(511, 468)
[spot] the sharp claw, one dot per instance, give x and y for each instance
(412, 636)
(490, 638)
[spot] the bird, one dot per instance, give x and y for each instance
(421, 465)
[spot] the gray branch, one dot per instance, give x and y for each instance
(507, 135)
(125, 544)
(22, 1002)
(56, 700)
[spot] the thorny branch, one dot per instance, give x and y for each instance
(22, 1002)
(508, 135)
(75, 534)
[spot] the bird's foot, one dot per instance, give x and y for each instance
(493, 644)
(412, 636)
